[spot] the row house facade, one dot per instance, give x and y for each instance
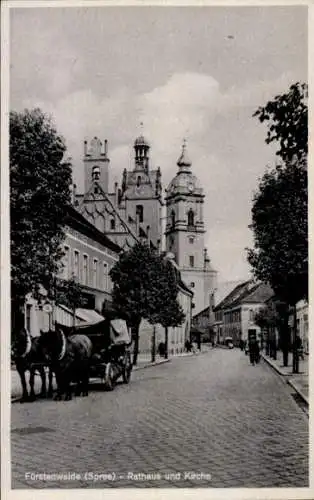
(235, 315)
(89, 256)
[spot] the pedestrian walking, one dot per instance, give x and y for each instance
(254, 352)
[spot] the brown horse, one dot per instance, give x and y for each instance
(27, 355)
(69, 358)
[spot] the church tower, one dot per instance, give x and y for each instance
(142, 193)
(96, 164)
(185, 232)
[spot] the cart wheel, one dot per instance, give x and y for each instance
(126, 375)
(109, 378)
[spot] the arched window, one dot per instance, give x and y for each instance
(190, 218)
(96, 173)
(140, 212)
(138, 182)
(173, 218)
(112, 224)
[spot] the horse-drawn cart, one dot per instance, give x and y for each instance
(111, 350)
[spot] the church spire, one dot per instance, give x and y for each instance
(184, 163)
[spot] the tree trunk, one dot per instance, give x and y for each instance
(285, 339)
(267, 343)
(166, 342)
(154, 344)
(136, 337)
(295, 345)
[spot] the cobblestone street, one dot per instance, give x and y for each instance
(212, 414)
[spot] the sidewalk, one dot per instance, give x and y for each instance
(299, 381)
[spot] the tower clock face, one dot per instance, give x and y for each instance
(190, 187)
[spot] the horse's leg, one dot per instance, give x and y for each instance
(43, 392)
(21, 372)
(68, 391)
(50, 388)
(60, 386)
(85, 381)
(32, 395)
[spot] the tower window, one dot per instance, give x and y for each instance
(191, 258)
(190, 218)
(173, 218)
(138, 182)
(112, 224)
(140, 212)
(96, 173)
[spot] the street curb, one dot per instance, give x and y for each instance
(273, 365)
(148, 365)
(288, 381)
(301, 394)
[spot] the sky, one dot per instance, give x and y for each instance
(185, 72)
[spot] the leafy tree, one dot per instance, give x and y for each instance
(167, 311)
(69, 293)
(143, 288)
(287, 117)
(279, 212)
(267, 318)
(40, 181)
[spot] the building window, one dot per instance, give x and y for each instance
(112, 224)
(95, 270)
(191, 258)
(191, 239)
(85, 269)
(105, 277)
(252, 315)
(140, 212)
(66, 263)
(192, 284)
(138, 182)
(96, 173)
(190, 218)
(76, 267)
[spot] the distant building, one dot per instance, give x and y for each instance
(235, 315)
(208, 322)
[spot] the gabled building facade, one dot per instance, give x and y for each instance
(235, 315)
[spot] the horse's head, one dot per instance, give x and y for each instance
(52, 344)
(21, 344)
